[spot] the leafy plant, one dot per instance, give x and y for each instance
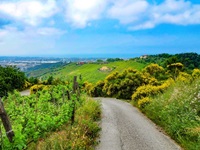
(32, 117)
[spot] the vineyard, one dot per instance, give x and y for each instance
(34, 117)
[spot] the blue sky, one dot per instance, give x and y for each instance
(113, 27)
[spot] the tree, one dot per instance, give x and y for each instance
(11, 78)
(50, 80)
(33, 80)
(171, 60)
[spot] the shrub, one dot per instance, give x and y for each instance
(96, 91)
(143, 102)
(121, 85)
(156, 71)
(184, 77)
(87, 87)
(37, 87)
(175, 69)
(145, 91)
(196, 73)
(149, 90)
(26, 85)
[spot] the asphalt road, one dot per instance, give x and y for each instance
(125, 128)
(25, 92)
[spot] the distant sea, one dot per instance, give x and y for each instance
(124, 56)
(96, 55)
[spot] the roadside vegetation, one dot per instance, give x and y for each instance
(164, 87)
(81, 135)
(177, 111)
(170, 96)
(53, 117)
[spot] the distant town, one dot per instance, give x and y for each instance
(24, 63)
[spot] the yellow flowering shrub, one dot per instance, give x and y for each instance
(121, 85)
(196, 73)
(88, 87)
(36, 88)
(96, 90)
(144, 91)
(143, 102)
(175, 69)
(184, 77)
(153, 69)
(150, 90)
(27, 84)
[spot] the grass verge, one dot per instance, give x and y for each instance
(177, 111)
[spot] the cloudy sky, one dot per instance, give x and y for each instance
(66, 27)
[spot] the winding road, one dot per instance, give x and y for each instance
(125, 128)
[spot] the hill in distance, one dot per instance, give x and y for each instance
(91, 72)
(95, 71)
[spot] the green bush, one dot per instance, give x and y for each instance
(11, 78)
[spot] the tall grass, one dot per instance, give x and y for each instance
(178, 112)
(79, 136)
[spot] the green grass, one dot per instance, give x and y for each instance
(90, 72)
(79, 136)
(177, 111)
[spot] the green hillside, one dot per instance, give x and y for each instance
(92, 71)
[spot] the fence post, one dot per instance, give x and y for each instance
(74, 84)
(73, 101)
(68, 95)
(6, 122)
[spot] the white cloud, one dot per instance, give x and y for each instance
(134, 14)
(80, 12)
(30, 12)
(29, 41)
(2, 33)
(128, 11)
(48, 31)
(140, 14)
(146, 25)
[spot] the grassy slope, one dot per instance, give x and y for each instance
(178, 112)
(90, 72)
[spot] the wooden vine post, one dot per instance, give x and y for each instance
(75, 84)
(75, 88)
(68, 95)
(6, 122)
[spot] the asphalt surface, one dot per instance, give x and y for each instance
(125, 128)
(25, 92)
